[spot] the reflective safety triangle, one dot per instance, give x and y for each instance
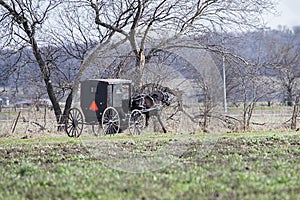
(94, 106)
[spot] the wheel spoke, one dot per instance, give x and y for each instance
(71, 131)
(70, 117)
(75, 132)
(107, 130)
(115, 128)
(71, 114)
(75, 114)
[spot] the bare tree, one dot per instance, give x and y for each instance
(248, 80)
(24, 19)
(252, 87)
(75, 35)
(139, 20)
(283, 59)
(28, 24)
(31, 35)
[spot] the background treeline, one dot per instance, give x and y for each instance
(260, 64)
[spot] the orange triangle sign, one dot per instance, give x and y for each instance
(94, 106)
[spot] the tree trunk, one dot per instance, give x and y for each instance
(205, 122)
(244, 116)
(47, 80)
(289, 97)
(295, 114)
(139, 70)
(249, 114)
(62, 119)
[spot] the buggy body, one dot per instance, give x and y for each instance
(106, 104)
(96, 95)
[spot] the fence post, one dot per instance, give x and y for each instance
(16, 121)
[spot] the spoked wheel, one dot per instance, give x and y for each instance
(97, 129)
(74, 123)
(110, 121)
(137, 122)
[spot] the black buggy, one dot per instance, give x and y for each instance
(106, 104)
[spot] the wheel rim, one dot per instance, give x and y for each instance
(137, 122)
(74, 123)
(110, 121)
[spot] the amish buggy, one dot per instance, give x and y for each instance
(107, 105)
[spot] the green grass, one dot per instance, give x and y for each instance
(234, 166)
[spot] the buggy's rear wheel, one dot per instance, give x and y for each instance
(137, 122)
(74, 123)
(110, 121)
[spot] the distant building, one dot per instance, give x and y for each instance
(5, 101)
(23, 104)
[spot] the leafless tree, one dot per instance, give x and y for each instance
(55, 36)
(284, 58)
(150, 26)
(139, 20)
(75, 35)
(21, 21)
(252, 87)
(29, 24)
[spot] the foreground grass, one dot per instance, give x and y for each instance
(242, 166)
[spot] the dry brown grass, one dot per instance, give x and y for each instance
(32, 123)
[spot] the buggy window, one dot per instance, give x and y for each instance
(125, 92)
(109, 95)
(117, 96)
(93, 89)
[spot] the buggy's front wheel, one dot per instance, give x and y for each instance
(137, 122)
(97, 129)
(110, 121)
(74, 123)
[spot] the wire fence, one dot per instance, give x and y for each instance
(27, 121)
(30, 122)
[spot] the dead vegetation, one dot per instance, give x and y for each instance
(27, 122)
(30, 122)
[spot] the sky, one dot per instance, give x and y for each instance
(289, 14)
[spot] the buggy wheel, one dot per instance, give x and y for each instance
(110, 121)
(97, 129)
(74, 123)
(137, 122)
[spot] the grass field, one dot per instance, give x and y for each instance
(262, 165)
